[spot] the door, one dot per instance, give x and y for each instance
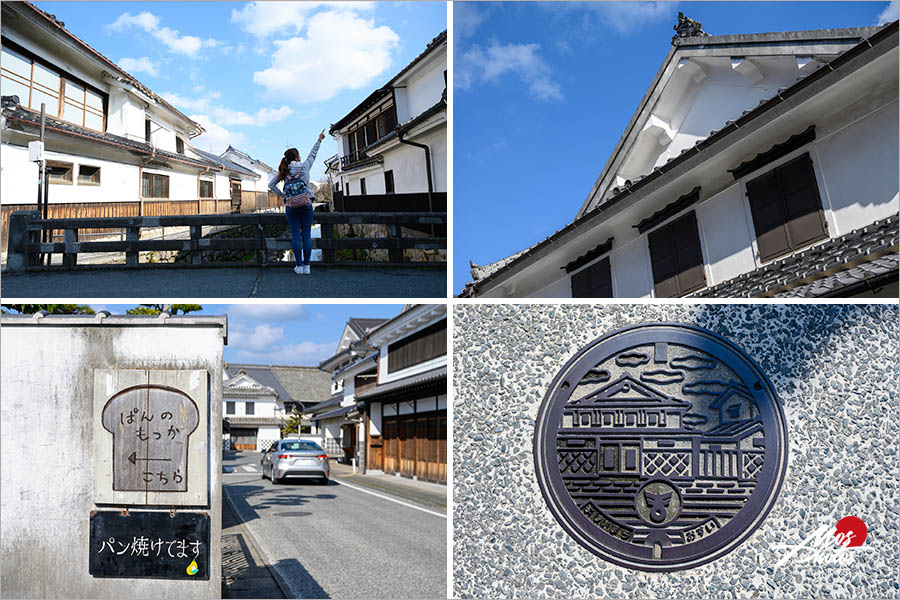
(243, 439)
(408, 447)
(235, 195)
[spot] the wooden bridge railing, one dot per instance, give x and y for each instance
(25, 248)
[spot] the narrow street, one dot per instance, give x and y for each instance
(344, 540)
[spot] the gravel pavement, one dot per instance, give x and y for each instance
(836, 370)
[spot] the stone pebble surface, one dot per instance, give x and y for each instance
(835, 367)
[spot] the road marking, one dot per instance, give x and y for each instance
(388, 498)
(249, 468)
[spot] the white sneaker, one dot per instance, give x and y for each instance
(298, 270)
(306, 269)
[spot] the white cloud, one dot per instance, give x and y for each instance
(139, 65)
(261, 338)
(627, 17)
(522, 60)
(171, 38)
(216, 139)
(269, 312)
(340, 50)
(467, 16)
(263, 19)
(303, 353)
(890, 13)
(224, 115)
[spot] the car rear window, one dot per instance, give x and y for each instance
(300, 446)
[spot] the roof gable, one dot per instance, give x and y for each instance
(705, 82)
(628, 391)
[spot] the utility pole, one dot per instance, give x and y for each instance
(42, 183)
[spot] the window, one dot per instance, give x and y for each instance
(36, 83)
(229, 408)
(786, 208)
(593, 282)
(179, 145)
(676, 258)
(419, 347)
(348, 189)
(362, 186)
(206, 189)
(248, 408)
(88, 175)
(155, 186)
(388, 182)
(147, 130)
(60, 172)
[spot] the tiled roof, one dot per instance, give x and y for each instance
(482, 273)
(338, 412)
(224, 162)
(30, 119)
(292, 383)
(428, 378)
(362, 326)
(248, 157)
(252, 421)
(821, 269)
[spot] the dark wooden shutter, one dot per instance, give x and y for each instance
(593, 282)
(371, 131)
(418, 347)
(676, 258)
(388, 182)
(786, 208)
(362, 186)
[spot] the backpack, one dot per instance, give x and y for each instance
(296, 194)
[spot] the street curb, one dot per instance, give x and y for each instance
(279, 580)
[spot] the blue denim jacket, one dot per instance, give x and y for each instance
(298, 167)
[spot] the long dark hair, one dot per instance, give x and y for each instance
(290, 155)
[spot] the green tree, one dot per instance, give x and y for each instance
(54, 309)
(155, 309)
(292, 425)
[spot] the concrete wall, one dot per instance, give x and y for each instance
(47, 371)
(835, 368)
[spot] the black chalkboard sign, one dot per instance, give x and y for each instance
(148, 544)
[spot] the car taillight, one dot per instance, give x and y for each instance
(322, 456)
(284, 456)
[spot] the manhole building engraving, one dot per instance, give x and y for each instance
(660, 447)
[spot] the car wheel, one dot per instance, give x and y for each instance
(275, 480)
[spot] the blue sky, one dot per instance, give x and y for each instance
(283, 334)
(543, 91)
(261, 76)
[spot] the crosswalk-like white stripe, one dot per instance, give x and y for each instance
(249, 468)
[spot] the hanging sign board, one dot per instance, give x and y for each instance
(156, 545)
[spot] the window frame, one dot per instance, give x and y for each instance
(667, 226)
(362, 186)
(212, 188)
(249, 408)
(769, 170)
(58, 111)
(150, 186)
(392, 189)
(230, 407)
(89, 182)
(59, 164)
(588, 272)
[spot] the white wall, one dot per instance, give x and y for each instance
(265, 436)
(425, 87)
(631, 273)
(375, 419)
(859, 165)
(50, 412)
(727, 235)
(262, 407)
(408, 164)
(182, 186)
(126, 115)
(18, 183)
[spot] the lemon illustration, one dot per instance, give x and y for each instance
(192, 568)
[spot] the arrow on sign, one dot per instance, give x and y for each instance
(133, 458)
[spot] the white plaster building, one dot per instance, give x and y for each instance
(257, 400)
(395, 141)
(389, 380)
(755, 165)
(113, 147)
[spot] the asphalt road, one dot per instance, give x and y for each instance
(339, 541)
(223, 282)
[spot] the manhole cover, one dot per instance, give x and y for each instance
(296, 513)
(660, 447)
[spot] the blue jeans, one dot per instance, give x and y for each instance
(300, 222)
